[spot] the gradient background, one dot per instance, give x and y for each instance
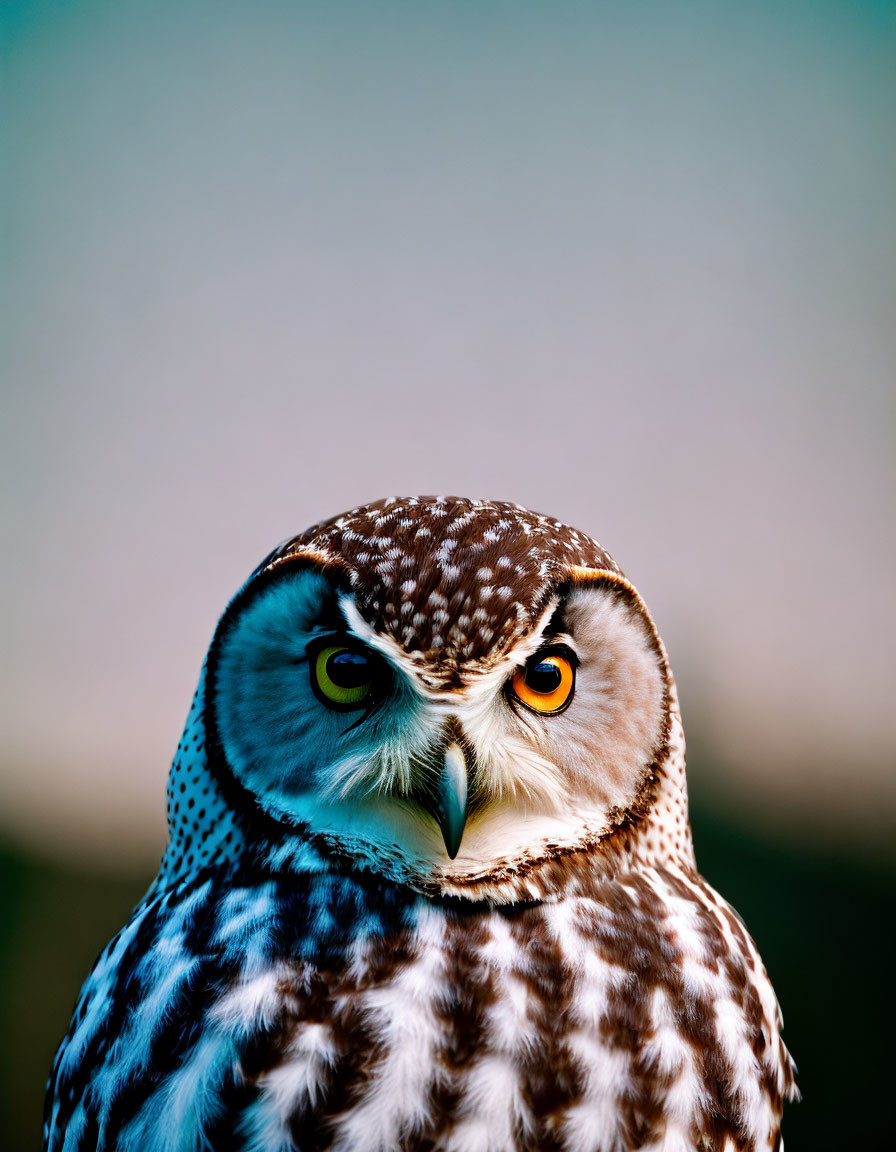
(633, 265)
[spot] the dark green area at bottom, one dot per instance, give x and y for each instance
(824, 928)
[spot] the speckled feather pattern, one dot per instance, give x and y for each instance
(453, 581)
(315, 1012)
(272, 993)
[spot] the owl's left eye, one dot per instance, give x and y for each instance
(344, 676)
(547, 682)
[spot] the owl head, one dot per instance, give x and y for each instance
(463, 695)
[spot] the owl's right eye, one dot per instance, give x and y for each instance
(344, 675)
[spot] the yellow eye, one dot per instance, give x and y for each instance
(546, 683)
(342, 676)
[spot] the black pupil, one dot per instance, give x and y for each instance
(349, 669)
(544, 677)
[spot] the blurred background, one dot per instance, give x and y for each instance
(633, 265)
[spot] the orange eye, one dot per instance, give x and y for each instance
(546, 683)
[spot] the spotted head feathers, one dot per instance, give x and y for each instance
(447, 603)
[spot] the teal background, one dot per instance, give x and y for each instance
(630, 264)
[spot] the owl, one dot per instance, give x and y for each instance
(430, 884)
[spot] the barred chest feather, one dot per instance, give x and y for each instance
(250, 1010)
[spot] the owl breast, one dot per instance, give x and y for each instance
(246, 1010)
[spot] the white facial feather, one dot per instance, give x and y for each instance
(356, 775)
(610, 733)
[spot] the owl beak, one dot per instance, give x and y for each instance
(451, 798)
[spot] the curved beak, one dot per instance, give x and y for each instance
(451, 797)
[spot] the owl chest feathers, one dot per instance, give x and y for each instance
(318, 1012)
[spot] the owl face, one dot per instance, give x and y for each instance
(449, 711)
